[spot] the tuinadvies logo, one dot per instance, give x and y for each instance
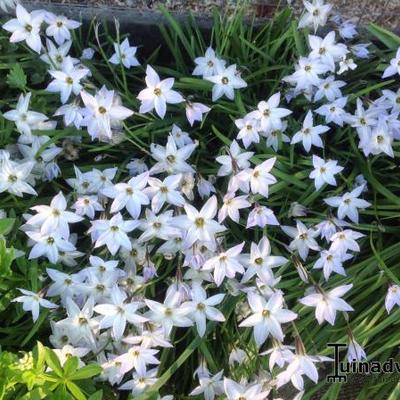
(342, 368)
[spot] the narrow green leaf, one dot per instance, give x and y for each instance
(76, 392)
(86, 372)
(220, 136)
(395, 395)
(6, 225)
(389, 39)
(53, 362)
(96, 396)
(70, 366)
(40, 355)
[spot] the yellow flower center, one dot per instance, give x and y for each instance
(199, 222)
(258, 261)
(168, 312)
(171, 158)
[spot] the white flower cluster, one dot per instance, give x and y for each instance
(315, 78)
(137, 225)
(225, 79)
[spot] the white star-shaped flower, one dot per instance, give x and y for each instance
(348, 204)
(170, 158)
(124, 54)
(24, 119)
(102, 113)
(54, 218)
(309, 134)
(327, 303)
(169, 314)
(32, 301)
(269, 114)
(158, 94)
(130, 195)
(113, 233)
(200, 225)
(67, 80)
(227, 263)
(316, 14)
(26, 27)
(303, 239)
(59, 27)
(225, 80)
(14, 177)
(324, 171)
(49, 245)
(202, 308)
(162, 192)
(118, 313)
(261, 261)
(267, 317)
(392, 69)
(207, 65)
